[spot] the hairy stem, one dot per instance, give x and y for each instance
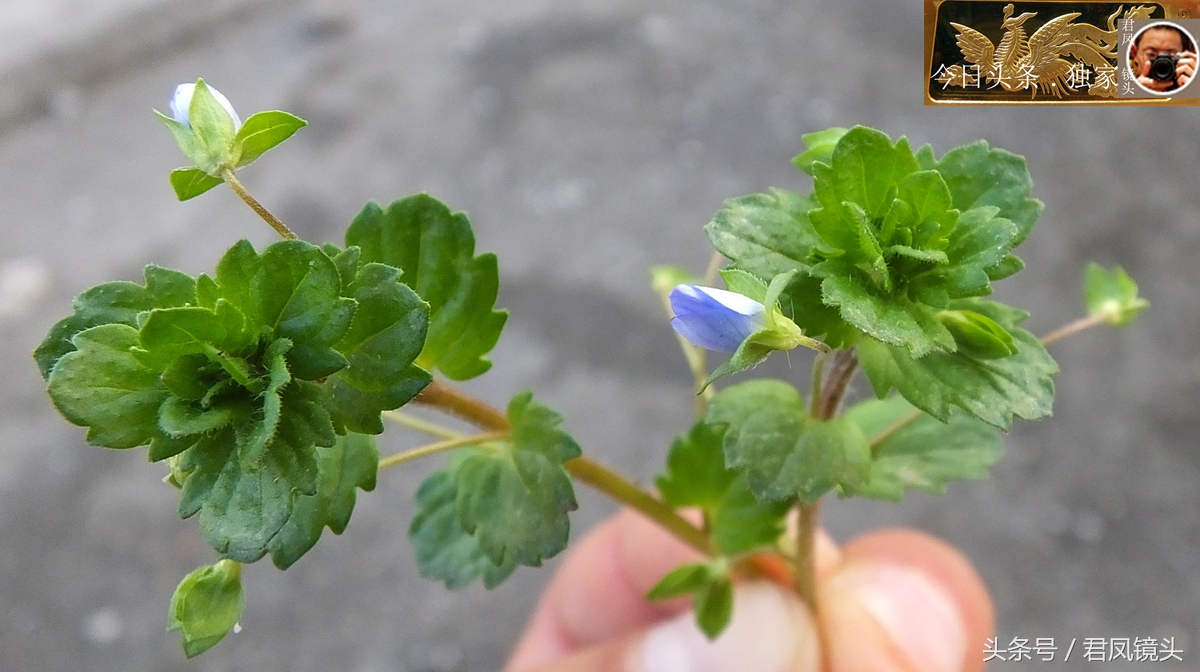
(413, 422)
(827, 396)
(433, 448)
(891, 429)
(1071, 328)
(475, 411)
(257, 207)
(805, 579)
(844, 364)
(617, 487)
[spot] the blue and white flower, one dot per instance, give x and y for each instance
(182, 101)
(715, 319)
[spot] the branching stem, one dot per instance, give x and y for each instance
(413, 422)
(607, 481)
(441, 446)
(1071, 328)
(257, 207)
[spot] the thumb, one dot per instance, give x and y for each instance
(771, 631)
(902, 601)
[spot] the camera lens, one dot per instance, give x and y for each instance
(1162, 68)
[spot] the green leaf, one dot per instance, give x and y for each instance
(385, 337)
(191, 182)
(350, 464)
(820, 148)
(865, 169)
(979, 176)
(925, 454)
(445, 551)
(993, 390)
(713, 605)
(764, 234)
(101, 386)
(768, 235)
(697, 476)
(515, 499)
(262, 131)
(680, 581)
(978, 335)
(293, 291)
(784, 452)
(980, 243)
(435, 249)
(114, 303)
(170, 333)
(206, 605)
(711, 589)
(1111, 297)
(899, 321)
(242, 506)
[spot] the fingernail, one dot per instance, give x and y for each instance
(770, 632)
(919, 616)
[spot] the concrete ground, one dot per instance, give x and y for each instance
(588, 140)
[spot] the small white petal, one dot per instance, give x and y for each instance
(182, 100)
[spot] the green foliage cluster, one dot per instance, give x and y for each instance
(262, 384)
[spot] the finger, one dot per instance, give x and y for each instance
(599, 592)
(771, 631)
(902, 601)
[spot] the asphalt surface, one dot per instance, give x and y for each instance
(587, 140)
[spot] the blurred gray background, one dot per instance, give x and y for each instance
(587, 140)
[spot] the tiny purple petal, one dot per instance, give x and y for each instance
(182, 100)
(714, 319)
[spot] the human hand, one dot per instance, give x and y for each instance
(890, 601)
(1185, 68)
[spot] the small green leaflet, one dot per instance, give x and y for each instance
(711, 589)
(189, 183)
(206, 605)
(924, 454)
(500, 505)
(783, 451)
(262, 131)
(820, 148)
(115, 303)
(384, 339)
(350, 464)
(435, 249)
(445, 551)
(1111, 297)
(697, 476)
(101, 386)
(993, 390)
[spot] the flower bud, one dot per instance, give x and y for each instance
(182, 101)
(715, 319)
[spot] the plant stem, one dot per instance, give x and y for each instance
(464, 406)
(413, 422)
(257, 207)
(805, 579)
(1071, 328)
(818, 377)
(616, 486)
(440, 446)
(891, 429)
(475, 411)
(826, 399)
(844, 364)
